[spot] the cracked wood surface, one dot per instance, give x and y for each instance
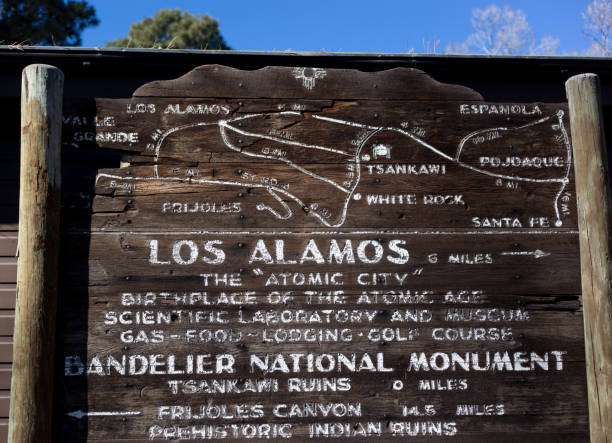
(200, 153)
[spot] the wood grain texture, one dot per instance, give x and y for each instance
(262, 214)
(286, 82)
(39, 208)
(593, 194)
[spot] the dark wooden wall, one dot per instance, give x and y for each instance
(117, 73)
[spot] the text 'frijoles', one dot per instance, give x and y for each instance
(315, 254)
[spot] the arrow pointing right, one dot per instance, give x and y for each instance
(538, 253)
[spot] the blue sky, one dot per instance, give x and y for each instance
(343, 25)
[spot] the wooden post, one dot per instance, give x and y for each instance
(38, 246)
(593, 195)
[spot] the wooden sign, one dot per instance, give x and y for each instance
(307, 253)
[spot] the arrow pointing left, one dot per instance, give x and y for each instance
(80, 414)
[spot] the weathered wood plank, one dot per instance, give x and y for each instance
(118, 125)
(233, 196)
(39, 214)
(593, 191)
(125, 259)
(261, 234)
(305, 83)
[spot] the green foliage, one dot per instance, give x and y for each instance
(171, 29)
(45, 22)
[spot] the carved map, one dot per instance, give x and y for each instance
(307, 253)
